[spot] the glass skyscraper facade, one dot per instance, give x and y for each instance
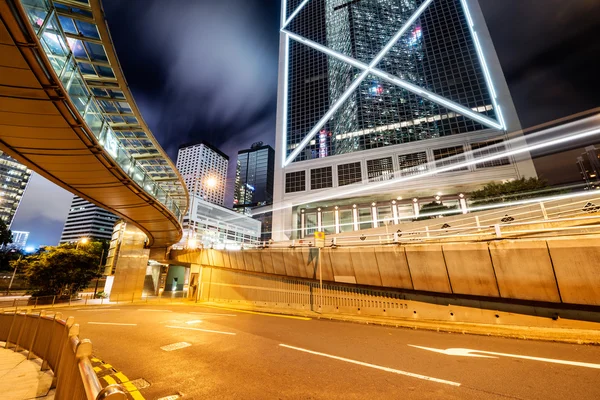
(14, 177)
(254, 176)
(375, 93)
(436, 53)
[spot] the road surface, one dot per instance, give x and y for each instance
(208, 353)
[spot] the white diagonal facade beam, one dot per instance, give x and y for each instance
(370, 69)
(356, 82)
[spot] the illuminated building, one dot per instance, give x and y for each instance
(589, 166)
(87, 220)
(204, 170)
(14, 177)
(375, 90)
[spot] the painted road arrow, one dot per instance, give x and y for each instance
(490, 354)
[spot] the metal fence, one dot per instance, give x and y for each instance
(57, 343)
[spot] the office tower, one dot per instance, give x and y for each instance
(87, 220)
(589, 166)
(254, 176)
(378, 100)
(13, 181)
(19, 239)
(204, 169)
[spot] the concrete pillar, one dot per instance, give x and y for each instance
(337, 220)
(355, 217)
(374, 214)
(416, 207)
(302, 224)
(395, 212)
(130, 268)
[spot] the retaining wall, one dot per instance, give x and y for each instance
(561, 270)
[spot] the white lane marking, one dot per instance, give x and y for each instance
(111, 323)
(364, 364)
(210, 313)
(172, 397)
(146, 309)
(196, 321)
(96, 309)
(175, 346)
(469, 353)
(198, 329)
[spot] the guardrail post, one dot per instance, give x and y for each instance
(427, 231)
(12, 324)
(543, 208)
(36, 300)
(497, 230)
(477, 223)
(53, 300)
(396, 237)
(21, 332)
(37, 327)
(44, 356)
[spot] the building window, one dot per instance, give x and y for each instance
(486, 149)
(450, 156)
(412, 164)
(380, 170)
(295, 181)
(321, 178)
(349, 173)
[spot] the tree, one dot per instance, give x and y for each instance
(6, 251)
(510, 191)
(63, 270)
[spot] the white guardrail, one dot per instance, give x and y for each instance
(57, 343)
(568, 214)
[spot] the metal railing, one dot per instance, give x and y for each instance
(57, 343)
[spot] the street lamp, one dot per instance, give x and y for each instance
(81, 241)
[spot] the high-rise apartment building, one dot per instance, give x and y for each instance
(204, 169)
(378, 100)
(14, 177)
(87, 220)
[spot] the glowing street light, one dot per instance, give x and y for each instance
(82, 241)
(211, 182)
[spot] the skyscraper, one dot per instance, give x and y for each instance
(254, 177)
(14, 177)
(204, 169)
(373, 93)
(87, 220)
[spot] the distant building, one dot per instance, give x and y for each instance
(87, 220)
(210, 225)
(254, 182)
(14, 177)
(19, 239)
(589, 166)
(204, 170)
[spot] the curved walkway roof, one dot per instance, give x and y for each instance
(67, 113)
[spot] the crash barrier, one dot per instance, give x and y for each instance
(557, 270)
(56, 342)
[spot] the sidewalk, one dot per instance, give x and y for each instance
(21, 378)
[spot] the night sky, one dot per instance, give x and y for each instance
(206, 69)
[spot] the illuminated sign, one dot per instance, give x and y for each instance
(323, 143)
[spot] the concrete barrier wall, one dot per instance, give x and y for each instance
(553, 270)
(577, 267)
(524, 270)
(470, 269)
(427, 268)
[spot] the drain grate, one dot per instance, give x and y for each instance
(140, 383)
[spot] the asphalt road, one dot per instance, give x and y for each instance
(237, 355)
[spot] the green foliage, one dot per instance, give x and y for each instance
(510, 191)
(63, 270)
(436, 208)
(5, 234)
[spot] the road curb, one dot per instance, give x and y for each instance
(573, 336)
